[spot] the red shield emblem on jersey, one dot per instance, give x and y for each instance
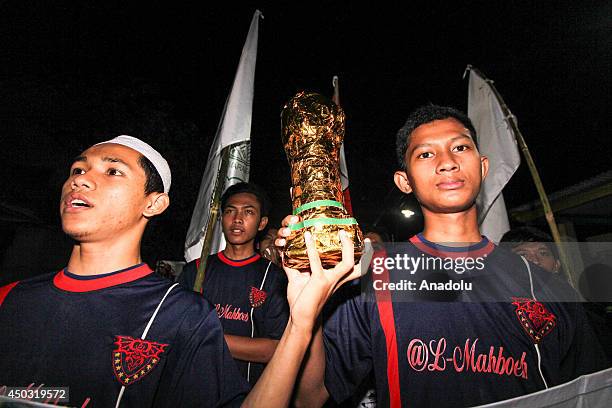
(534, 318)
(134, 358)
(257, 297)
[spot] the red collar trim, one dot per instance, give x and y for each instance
(64, 282)
(4, 291)
(481, 249)
(243, 262)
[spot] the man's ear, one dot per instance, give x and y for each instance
(262, 223)
(401, 181)
(484, 166)
(156, 204)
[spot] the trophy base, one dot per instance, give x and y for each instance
(303, 264)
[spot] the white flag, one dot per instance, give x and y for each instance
(344, 180)
(234, 129)
(497, 142)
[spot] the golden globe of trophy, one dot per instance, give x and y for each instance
(312, 133)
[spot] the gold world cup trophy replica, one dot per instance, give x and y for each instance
(312, 133)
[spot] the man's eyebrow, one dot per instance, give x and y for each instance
(413, 148)
(115, 160)
(461, 136)
(240, 206)
(79, 159)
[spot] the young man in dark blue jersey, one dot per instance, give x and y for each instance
(443, 333)
(115, 333)
(248, 291)
(106, 326)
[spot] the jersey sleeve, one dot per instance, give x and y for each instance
(346, 336)
(187, 276)
(203, 370)
(584, 354)
(277, 309)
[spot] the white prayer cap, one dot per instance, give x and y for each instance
(160, 164)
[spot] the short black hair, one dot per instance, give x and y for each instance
(426, 114)
(153, 182)
(376, 229)
(520, 235)
(251, 188)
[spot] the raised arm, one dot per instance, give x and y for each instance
(257, 350)
(310, 390)
(307, 293)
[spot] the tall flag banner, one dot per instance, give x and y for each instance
(229, 157)
(510, 123)
(496, 141)
(343, 169)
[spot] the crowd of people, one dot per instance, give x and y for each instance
(260, 334)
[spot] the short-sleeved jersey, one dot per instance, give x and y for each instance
(249, 296)
(91, 335)
(470, 345)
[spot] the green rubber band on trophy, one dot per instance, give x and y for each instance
(322, 221)
(317, 203)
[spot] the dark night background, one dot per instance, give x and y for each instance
(75, 73)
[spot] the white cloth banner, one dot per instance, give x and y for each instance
(344, 180)
(234, 128)
(588, 391)
(497, 142)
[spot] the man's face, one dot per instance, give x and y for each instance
(241, 219)
(538, 253)
(375, 239)
(267, 248)
(268, 240)
(103, 198)
(443, 167)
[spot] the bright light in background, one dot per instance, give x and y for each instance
(407, 213)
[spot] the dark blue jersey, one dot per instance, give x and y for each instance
(452, 344)
(249, 296)
(114, 335)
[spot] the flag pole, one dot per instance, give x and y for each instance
(215, 205)
(548, 212)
